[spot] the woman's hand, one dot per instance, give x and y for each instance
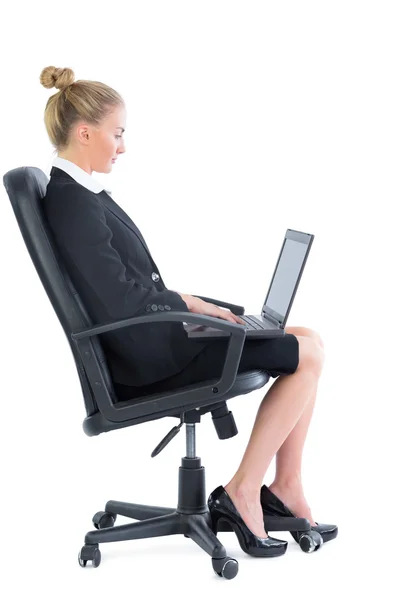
(197, 305)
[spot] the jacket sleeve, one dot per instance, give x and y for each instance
(83, 232)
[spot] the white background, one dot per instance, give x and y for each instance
(244, 119)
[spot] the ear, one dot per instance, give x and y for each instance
(82, 133)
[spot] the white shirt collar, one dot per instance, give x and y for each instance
(78, 174)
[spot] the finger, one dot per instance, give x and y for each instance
(228, 316)
(238, 319)
(232, 317)
(223, 315)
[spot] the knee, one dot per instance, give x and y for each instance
(311, 354)
(315, 336)
(319, 341)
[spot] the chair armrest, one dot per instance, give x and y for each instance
(236, 309)
(160, 402)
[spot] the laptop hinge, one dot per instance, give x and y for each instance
(271, 319)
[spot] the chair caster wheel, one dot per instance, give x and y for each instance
(225, 567)
(311, 541)
(89, 553)
(102, 520)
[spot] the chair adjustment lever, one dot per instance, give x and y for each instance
(170, 435)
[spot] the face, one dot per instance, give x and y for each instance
(100, 145)
(108, 141)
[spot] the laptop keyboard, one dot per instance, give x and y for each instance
(251, 323)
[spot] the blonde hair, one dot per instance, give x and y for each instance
(90, 101)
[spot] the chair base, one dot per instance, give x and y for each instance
(191, 518)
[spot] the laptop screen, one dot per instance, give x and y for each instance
(287, 274)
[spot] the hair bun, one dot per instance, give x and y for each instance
(59, 78)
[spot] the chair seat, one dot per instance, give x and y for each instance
(245, 382)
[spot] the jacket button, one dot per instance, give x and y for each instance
(155, 276)
(154, 307)
(160, 306)
(167, 307)
(148, 308)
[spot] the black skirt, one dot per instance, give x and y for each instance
(277, 356)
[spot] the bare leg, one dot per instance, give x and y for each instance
(278, 414)
(287, 484)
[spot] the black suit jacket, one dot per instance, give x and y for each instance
(114, 273)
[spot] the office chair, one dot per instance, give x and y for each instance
(26, 186)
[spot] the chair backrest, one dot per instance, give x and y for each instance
(26, 186)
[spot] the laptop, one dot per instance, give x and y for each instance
(281, 292)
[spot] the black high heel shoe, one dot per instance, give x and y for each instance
(222, 509)
(273, 506)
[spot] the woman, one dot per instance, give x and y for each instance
(116, 276)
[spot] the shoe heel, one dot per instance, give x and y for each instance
(218, 518)
(220, 523)
(239, 534)
(225, 517)
(214, 521)
(228, 525)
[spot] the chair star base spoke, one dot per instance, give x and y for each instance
(137, 511)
